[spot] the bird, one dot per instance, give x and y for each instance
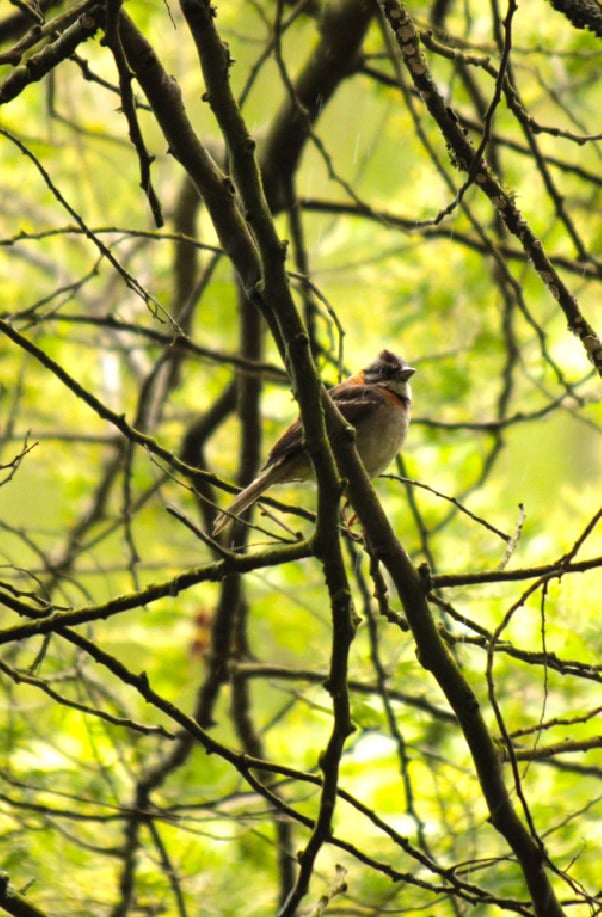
(376, 401)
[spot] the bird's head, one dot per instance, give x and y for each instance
(390, 372)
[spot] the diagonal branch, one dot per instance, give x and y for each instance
(436, 658)
(464, 155)
(89, 19)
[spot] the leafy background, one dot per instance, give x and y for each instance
(108, 803)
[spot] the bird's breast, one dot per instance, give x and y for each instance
(380, 437)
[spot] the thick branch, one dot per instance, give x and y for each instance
(38, 65)
(435, 657)
(214, 186)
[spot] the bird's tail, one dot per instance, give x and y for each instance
(242, 502)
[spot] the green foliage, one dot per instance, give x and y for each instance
(111, 801)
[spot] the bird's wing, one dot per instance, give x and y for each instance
(355, 402)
